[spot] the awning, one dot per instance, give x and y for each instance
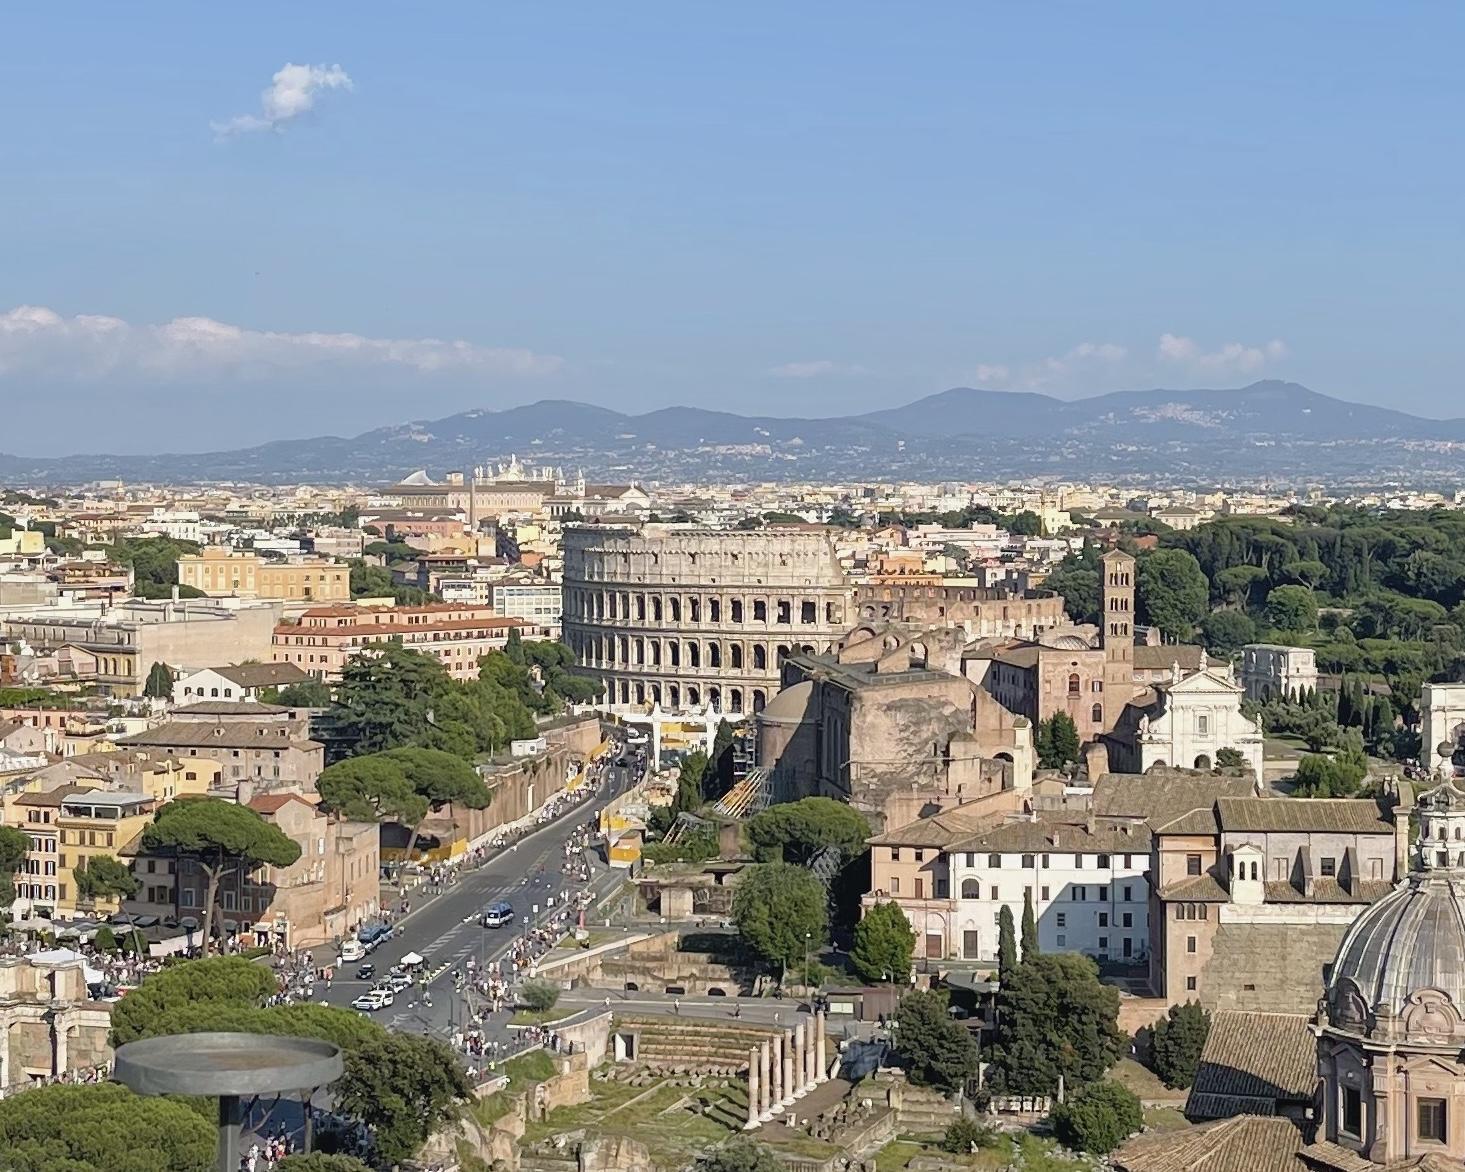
(412, 958)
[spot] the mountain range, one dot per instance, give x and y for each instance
(1268, 431)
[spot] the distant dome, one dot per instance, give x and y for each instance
(1406, 954)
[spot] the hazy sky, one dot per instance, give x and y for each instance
(223, 224)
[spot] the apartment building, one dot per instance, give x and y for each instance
(260, 754)
(219, 572)
(67, 826)
(457, 636)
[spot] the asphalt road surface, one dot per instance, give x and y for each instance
(445, 930)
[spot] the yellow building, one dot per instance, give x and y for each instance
(223, 572)
(159, 775)
(90, 823)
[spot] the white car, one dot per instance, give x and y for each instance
(372, 1000)
(397, 982)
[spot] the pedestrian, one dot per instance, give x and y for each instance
(676, 1006)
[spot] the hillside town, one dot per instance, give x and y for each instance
(829, 826)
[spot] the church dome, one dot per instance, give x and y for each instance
(1403, 959)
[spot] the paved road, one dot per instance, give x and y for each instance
(446, 931)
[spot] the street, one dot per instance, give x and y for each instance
(445, 931)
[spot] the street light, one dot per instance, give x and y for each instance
(808, 936)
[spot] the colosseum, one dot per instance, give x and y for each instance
(686, 618)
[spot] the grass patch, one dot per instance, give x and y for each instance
(531, 1017)
(528, 1069)
(1165, 1118)
(895, 1155)
(1144, 1082)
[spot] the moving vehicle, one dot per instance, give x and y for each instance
(372, 935)
(352, 950)
(372, 1000)
(366, 972)
(497, 914)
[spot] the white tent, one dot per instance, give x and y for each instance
(67, 956)
(412, 958)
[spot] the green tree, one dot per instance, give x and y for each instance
(159, 684)
(1077, 583)
(1230, 758)
(402, 1087)
(514, 647)
(740, 1155)
(437, 778)
(934, 1050)
(1292, 608)
(539, 995)
(1239, 583)
(798, 832)
(372, 788)
(781, 911)
(1227, 631)
(231, 980)
(1055, 1020)
(103, 877)
(1338, 776)
(1029, 929)
(1172, 592)
(691, 776)
(15, 845)
(1006, 944)
(104, 940)
(1026, 524)
(221, 838)
(387, 696)
(102, 1127)
(721, 774)
(1176, 1042)
(884, 944)
(307, 694)
(964, 1136)
(1058, 744)
(1098, 1118)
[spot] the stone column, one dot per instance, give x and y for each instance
(765, 1084)
(754, 1087)
(775, 1104)
(811, 1060)
(801, 1060)
(821, 1054)
(788, 1068)
(61, 1059)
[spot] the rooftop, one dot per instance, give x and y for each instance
(1250, 1062)
(1281, 815)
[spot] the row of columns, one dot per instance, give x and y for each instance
(785, 1067)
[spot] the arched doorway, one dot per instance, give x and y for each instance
(1203, 762)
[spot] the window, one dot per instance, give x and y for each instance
(1103, 944)
(1045, 895)
(1431, 1120)
(895, 854)
(895, 885)
(1353, 1112)
(1329, 867)
(1190, 984)
(971, 859)
(1192, 865)
(1202, 725)
(1103, 919)
(1103, 895)
(1128, 862)
(994, 861)
(1078, 862)
(1127, 920)
(996, 897)
(920, 889)
(1190, 944)
(1096, 714)
(1045, 860)
(1062, 940)
(1081, 894)
(1103, 862)
(971, 889)
(1027, 860)
(920, 855)
(1073, 684)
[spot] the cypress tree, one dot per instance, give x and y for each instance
(1006, 944)
(1029, 929)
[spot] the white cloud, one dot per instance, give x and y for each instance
(990, 374)
(292, 92)
(819, 368)
(39, 341)
(1055, 370)
(1230, 358)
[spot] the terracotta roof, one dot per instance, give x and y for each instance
(1117, 837)
(270, 803)
(50, 797)
(1326, 889)
(1332, 815)
(231, 708)
(200, 734)
(346, 630)
(1159, 797)
(1160, 657)
(1247, 1143)
(939, 830)
(1198, 821)
(1205, 888)
(1252, 1062)
(263, 675)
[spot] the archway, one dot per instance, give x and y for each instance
(1202, 761)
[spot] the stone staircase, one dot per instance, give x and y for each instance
(674, 1046)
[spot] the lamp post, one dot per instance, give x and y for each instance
(808, 936)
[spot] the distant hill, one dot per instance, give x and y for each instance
(1266, 431)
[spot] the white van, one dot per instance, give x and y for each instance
(352, 950)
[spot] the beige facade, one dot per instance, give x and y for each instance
(224, 572)
(680, 617)
(979, 612)
(259, 755)
(49, 1025)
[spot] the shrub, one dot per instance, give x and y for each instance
(1098, 1118)
(1177, 1042)
(965, 1135)
(539, 995)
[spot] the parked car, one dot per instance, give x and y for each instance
(372, 1000)
(366, 972)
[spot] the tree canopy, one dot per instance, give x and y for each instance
(1172, 592)
(102, 1127)
(884, 944)
(222, 838)
(1176, 1042)
(103, 877)
(1057, 742)
(159, 684)
(1098, 1118)
(934, 1050)
(401, 1086)
(780, 911)
(797, 832)
(14, 846)
(1055, 1019)
(740, 1155)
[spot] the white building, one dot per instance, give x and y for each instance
(1085, 880)
(241, 681)
(1272, 670)
(539, 603)
(1186, 723)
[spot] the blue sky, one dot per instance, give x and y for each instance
(770, 207)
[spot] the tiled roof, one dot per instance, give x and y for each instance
(1115, 837)
(1197, 889)
(1251, 1062)
(218, 735)
(263, 675)
(939, 830)
(1326, 889)
(1198, 821)
(270, 803)
(231, 708)
(1333, 815)
(1247, 1143)
(1160, 657)
(1159, 797)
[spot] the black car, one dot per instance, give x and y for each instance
(366, 972)
(622, 763)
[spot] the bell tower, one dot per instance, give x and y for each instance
(1116, 632)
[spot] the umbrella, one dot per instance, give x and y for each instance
(412, 958)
